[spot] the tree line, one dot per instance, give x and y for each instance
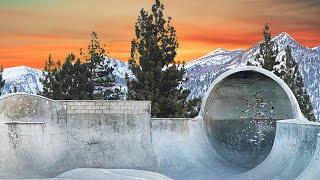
(157, 76)
(91, 78)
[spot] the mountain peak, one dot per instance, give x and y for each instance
(285, 39)
(17, 71)
(284, 36)
(18, 67)
(219, 50)
(23, 78)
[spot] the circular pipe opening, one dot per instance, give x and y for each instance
(240, 112)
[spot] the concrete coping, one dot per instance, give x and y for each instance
(165, 119)
(24, 94)
(299, 122)
(42, 97)
(16, 122)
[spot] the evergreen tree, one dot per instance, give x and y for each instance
(75, 80)
(286, 68)
(2, 82)
(293, 78)
(102, 70)
(268, 51)
(71, 81)
(48, 78)
(157, 77)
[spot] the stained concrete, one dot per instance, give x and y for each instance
(242, 132)
(240, 116)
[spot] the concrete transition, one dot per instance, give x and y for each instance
(250, 127)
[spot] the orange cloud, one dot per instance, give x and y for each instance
(29, 32)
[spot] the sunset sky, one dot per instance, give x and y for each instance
(31, 29)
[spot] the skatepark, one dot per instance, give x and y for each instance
(249, 127)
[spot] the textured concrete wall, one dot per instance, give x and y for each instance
(182, 151)
(240, 112)
(294, 152)
(248, 95)
(43, 138)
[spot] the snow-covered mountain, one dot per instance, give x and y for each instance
(26, 79)
(317, 49)
(120, 70)
(23, 79)
(204, 70)
(201, 72)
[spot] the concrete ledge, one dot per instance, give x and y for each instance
(17, 122)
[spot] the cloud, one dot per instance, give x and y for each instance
(29, 31)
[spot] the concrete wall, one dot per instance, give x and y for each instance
(240, 112)
(182, 151)
(295, 151)
(43, 138)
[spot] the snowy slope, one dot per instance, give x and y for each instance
(120, 69)
(24, 79)
(27, 79)
(317, 49)
(204, 70)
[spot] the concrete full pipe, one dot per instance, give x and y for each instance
(250, 127)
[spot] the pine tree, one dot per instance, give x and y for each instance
(268, 51)
(157, 77)
(293, 78)
(286, 68)
(48, 78)
(75, 83)
(2, 82)
(71, 81)
(102, 70)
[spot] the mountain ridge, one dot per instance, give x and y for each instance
(202, 71)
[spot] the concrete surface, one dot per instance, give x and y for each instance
(240, 113)
(250, 127)
(110, 174)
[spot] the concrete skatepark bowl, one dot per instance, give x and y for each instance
(250, 127)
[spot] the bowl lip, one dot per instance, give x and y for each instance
(297, 114)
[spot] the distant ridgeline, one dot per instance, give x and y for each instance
(201, 72)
